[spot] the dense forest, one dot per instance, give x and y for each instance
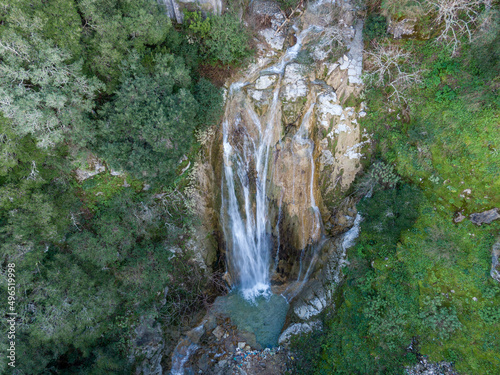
(113, 84)
(117, 81)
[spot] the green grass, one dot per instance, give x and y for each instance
(414, 273)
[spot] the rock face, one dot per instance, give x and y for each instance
(424, 367)
(148, 345)
(306, 81)
(95, 166)
(401, 28)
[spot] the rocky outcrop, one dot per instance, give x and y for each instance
(174, 7)
(485, 217)
(147, 349)
(425, 367)
(404, 27)
(495, 264)
(94, 167)
(298, 329)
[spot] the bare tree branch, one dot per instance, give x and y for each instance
(457, 18)
(386, 68)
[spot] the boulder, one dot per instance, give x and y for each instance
(398, 29)
(495, 265)
(485, 217)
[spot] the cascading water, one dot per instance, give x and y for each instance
(245, 205)
(247, 229)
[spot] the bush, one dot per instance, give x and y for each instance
(375, 27)
(223, 39)
(288, 4)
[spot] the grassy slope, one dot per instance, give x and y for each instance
(428, 280)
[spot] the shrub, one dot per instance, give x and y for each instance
(375, 27)
(223, 39)
(228, 40)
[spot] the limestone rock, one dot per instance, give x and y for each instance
(295, 85)
(485, 217)
(424, 367)
(265, 82)
(298, 329)
(264, 7)
(401, 28)
(95, 166)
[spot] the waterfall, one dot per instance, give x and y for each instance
(245, 176)
(245, 205)
(254, 144)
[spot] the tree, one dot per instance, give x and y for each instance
(389, 65)
(113, 27)
(40, 91)
(457, 18)
(149, 124)
(57, 20)
(223, 39)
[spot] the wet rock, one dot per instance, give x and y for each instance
(265, 82)
(485, 217)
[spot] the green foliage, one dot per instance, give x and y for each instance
(398, 9)
(223, 39)
(374, 324)
(228, 42)
(379, 176)
(375, 27)
(56, 20)
(439, 317)
(94, 256)
(444, 143)
(210, 102)
(195, 23)
(288, 4)
(41, 92)
(149, 124)
(447, 144)
(114, 27)
(484, 53)
(306, 349)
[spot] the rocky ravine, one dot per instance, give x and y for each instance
(317, 149)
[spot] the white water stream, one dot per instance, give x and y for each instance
(245, 204)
